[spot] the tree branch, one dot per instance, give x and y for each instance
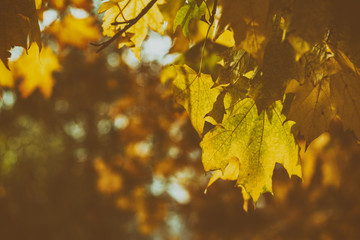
(130, 23)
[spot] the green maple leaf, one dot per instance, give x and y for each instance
(188, 12)
(256, 141)
(196, 94)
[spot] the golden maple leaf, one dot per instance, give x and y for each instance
(36, 70)
(119, 12)
(75, 32)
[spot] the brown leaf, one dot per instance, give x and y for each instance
(345, 94)
(311, 109)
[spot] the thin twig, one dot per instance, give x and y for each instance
(118, 23)
(121, 10)
(129, 25)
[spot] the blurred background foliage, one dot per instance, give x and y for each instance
(110, 155)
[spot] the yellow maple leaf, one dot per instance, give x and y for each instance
(36, 71)
(196, 93)
(119, 11)
(75, 32)
(246, 146)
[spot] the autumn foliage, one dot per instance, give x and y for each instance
(264, 93)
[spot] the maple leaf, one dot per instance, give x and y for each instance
(311, 109)
(345, 94)
(345, 89)
(119, 11)
(19, 26)
(36, 70)
(256, 141)
(249, 21)
(195, 93)
(187, 13)
(74, 31)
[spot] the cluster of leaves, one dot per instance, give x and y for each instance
(280, 78)
(281, 75)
